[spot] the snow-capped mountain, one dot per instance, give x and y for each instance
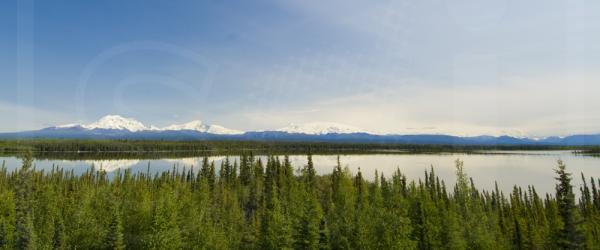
(321, 128)
(116, 122)
(193, 125)
(118, 127)
(220, 130)
(204, 128)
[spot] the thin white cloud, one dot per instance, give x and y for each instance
(19, 118)
(542, 106)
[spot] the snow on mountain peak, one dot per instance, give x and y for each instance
(197, 125)
(216, 129)
(70, 125)
(121, 123)
(117, 122)
(321, 128)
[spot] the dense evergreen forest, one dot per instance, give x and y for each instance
(592, 151)
(270, 205)
(41, 146)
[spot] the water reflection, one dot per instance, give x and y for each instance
(508, 168)
(111, 165)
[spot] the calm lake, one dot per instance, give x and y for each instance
(508, 168)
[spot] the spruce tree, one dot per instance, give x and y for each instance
(24, 230)
(115, 239)
(570, 236)
(58, 239)
(165, 230)
(308, 227)
(275, 229)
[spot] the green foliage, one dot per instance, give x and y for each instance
(88, 148)
(24, 230)
(256, 205)
(570, 236)
(115, 239)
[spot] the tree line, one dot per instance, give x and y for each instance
(252, 204)
(62, 146)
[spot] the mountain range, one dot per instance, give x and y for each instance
(118, 127)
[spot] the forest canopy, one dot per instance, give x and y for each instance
(253, 204)
(230, 146)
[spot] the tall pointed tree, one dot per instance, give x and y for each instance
(24, 229)
(570, 236)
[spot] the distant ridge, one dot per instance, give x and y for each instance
(117, 122)
(118, 127)
(321, 128)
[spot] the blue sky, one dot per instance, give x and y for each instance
(465, 67)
